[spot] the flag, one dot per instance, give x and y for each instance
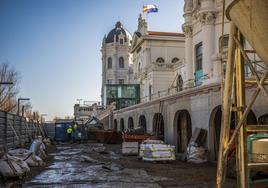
(150, 8)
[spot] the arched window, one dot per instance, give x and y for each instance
(160, 60)
(179, 83)
(110, 63)
(175, 60)
(121, 62)
(139, 67)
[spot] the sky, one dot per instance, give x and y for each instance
(55, 44)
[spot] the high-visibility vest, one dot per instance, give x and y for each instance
(69, 130)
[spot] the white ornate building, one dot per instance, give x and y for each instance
(158, 59)
(198, 105)
(116, 59)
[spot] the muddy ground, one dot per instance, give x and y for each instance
(103, 166)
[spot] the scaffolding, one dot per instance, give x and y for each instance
(249, 20)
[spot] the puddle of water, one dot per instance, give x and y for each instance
(68, 171)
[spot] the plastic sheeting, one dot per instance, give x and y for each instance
(38, 148)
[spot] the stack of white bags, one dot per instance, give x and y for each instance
(17, 162)
(156, 150)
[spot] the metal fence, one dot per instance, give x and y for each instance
(15, 131)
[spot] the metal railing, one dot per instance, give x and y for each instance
(189, 84)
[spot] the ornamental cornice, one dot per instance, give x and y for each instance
(187, 29)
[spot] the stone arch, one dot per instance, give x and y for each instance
(160, 60)
(115, 124)
(121, 63)
(122, 126)
(183, 127)
(142, 122)
(139, 67)
(263, 119)
(175, 60)
(109, 63)
(130, 123)
(215, 129)
(179, 83)
(158, 126)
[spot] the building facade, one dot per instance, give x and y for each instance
(197, 104)
(158, 60)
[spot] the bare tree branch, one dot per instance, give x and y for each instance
(8, 93)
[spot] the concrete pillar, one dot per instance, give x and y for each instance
(207, 18)
(216, 61)
(189, 58)
(188, 29)
(208, 32)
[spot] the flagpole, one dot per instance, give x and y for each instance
(142, 10)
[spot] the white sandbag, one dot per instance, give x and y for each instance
(31, 160)
(35, 146)
(196, 154)
(11, 166)
(20, 165)
(28, 156)
(6, 170)
(47, 141)
(39, 160)
(42, 154)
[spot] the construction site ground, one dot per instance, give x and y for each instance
(103, 166)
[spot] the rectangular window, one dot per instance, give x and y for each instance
(198, 56)
(223, 41)
(121, 81)
(109, 81)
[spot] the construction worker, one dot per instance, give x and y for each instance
(74, 133)
(69, 133)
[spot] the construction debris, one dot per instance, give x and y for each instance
(113, 167)
(88, 159)
(196, 154)
(196, 151)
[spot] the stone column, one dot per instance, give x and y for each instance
(207, 17)
(187, 28)
(189, 58)
(216, 60)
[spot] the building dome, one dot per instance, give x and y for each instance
(116, 32)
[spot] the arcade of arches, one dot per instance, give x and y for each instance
(181, 127)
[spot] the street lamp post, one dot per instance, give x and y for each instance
(6, 83)
(21, 99)
(43, 131)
